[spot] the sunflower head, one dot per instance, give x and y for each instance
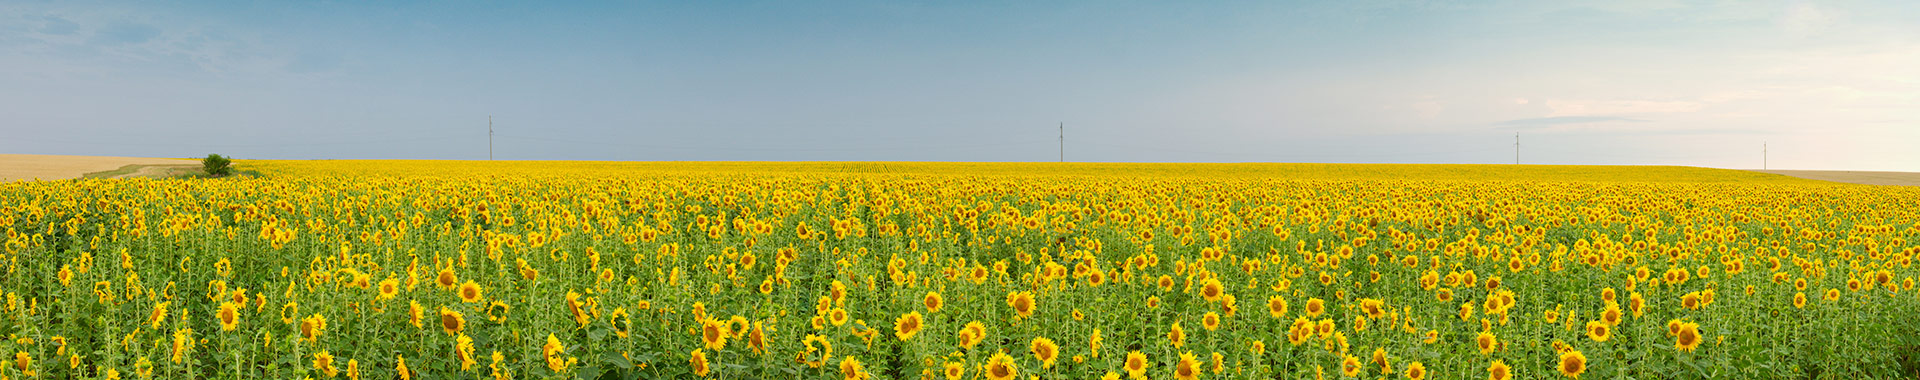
(698, 360)
(1044, 350)
(1188, 368)
(1572, 363)
(1687, 337)
(1022, 303)
(229, 314)
(1136, 365)
(907, 326)
(714, 334)
(446, 279)
(1599, 331)
(1001, 367)
(452, 321)
(470, 292)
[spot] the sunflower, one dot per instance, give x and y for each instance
(698, 360)
(1380, 359)
(159, 314)
(737, 326)
(969, 336)
(1572, 363)
(1001, 367)
(551, 351)
(446, 279)
(1376, 308)
(1598, 331)
(229, 316)
(756, 338)
(851, 369)
(1499, 371)
(837, 316)
(497, 312)
(933, 302)
(1188, 368)
(1136, 365)
(470, 292)
(1687, 337)
(1833, 295)
(311, 327)
(714, 334)
(1210, 321)
(323, 362)
(1315, 306)
(388, 288)
(399, 367)
(1211, 290)
(1637, 304)
(837, 291)
(1416, 371)
(1022, 303)
(953, 370)
(1258, 347)
(907, 326)
(1176, 335)
(1300, 331)
(1277, 306)
(579, 308)
(1044, 350)
(1799, 300)
(452, 321)
(824, 348)
(1350, 366)
(414, 313)
(1611, 315)
(1486, 342)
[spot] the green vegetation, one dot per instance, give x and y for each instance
(216, 166)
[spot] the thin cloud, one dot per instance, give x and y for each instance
(1545, 122)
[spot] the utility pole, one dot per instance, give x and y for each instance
(1516, 148)
(1063, 141)
(489, 137)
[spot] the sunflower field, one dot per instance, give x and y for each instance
(605, 270)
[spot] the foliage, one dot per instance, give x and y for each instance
(216, 166)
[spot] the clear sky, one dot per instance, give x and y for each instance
(1823, 84)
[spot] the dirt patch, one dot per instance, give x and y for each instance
(1859, 177)
(146, 171)
(18, 167)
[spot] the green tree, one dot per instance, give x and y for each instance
(216, 166)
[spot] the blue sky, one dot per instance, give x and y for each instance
(1823, 84)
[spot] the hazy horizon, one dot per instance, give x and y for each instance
(1823, 85)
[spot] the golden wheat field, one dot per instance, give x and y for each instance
(609, 270)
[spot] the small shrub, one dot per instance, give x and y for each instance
(216, 166)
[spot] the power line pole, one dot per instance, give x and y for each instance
(1063, 141)
(489, 137)
(1516, 148)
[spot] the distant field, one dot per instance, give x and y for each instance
(1864, 178)
(15, 167)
